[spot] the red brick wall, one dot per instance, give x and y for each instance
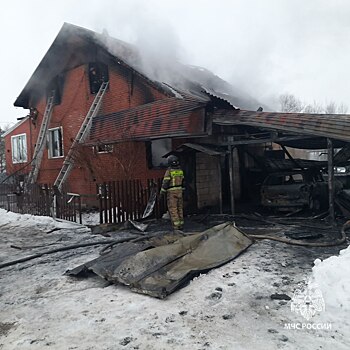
(126, 161)
(126, 90)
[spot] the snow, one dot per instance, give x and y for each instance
(228, 308)
(176, 94)
(92, 218)
(27, 220)
(332, 277)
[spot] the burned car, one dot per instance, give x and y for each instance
(295, 189)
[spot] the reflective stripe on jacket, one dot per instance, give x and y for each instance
(173, 180)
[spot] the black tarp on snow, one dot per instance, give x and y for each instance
(160, 270)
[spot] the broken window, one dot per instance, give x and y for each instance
(98, 73)
(55, 143)
(290, 179)
(103, 148)
(155, 152)
(19, 148)
(56, 85)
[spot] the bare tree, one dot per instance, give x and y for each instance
(290, 103)
(330, 108)
(342, 109)
(315, 107)
(2, 149)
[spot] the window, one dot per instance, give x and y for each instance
(103, 148)
(55, 143)
(98, 73)
(56, 84)
(289, 179)
(19, 148)
(155, 152)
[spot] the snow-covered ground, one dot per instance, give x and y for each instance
(332, 276)
(240, 305)
(92, 218)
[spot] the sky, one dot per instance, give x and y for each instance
(266, 48)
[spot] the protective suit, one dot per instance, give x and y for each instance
(172, 186)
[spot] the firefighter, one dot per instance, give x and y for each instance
(172, 186)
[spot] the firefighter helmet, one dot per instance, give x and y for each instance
(173, 160)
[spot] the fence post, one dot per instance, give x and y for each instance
(99, 190)
(47, 199)
(120, 217)
(114, 202)
(54, 206)
(105, 201)
(121, 200)
(110, 209)
(80, 213)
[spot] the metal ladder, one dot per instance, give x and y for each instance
(68, 163)
(39, 146)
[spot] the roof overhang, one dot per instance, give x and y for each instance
(14, 127)
(332, 126)
(70, 49)
(207, 149)
(210, 150)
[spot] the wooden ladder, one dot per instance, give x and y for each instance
(39, 146)
(68, 162)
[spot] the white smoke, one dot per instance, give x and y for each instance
(265, 47)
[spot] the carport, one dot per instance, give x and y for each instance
(234, 128)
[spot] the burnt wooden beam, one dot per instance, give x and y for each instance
(232, 187)
(262, 140)
(331, 180)
(296, 163)
(220, 182)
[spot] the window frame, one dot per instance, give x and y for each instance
(49, 148)
(104, 148)
(101, 75)
(150, 152)
(14, 160)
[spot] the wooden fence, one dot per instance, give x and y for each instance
(5, 190)
(68, 207)
(120, 201)
(41, 200)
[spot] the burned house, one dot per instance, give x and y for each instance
(98, 113)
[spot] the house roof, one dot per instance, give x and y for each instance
(333, 126)
(22, 121)
(75, 45)
(162, 118)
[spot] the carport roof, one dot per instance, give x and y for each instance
(201, 148)
(335, 126)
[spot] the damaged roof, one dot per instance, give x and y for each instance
(75, 45)
(335, 126)
(290, 164)
(162, 118)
